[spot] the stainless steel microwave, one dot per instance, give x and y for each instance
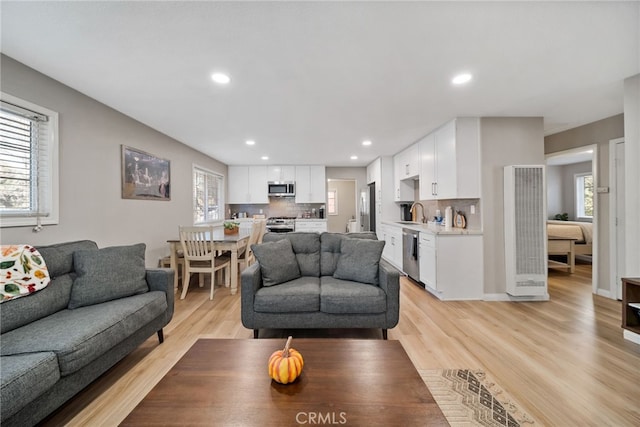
(282, 189)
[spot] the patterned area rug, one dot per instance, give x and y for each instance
(467, 398)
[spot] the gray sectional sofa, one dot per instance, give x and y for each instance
(100, 305)
(328, 280)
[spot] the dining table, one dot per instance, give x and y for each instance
(234, 243)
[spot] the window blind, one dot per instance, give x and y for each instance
(25, 162)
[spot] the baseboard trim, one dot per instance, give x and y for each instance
(507, 297)
(631, 336)
(604, 293)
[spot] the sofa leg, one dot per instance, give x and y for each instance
(384, 334)
(160, 336)
(255, 334)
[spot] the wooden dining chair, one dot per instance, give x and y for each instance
(200, 257)
(247, 258)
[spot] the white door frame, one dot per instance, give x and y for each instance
(594, 255)
(613, 214)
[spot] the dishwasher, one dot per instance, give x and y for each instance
(410, 258)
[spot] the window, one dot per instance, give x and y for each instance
(584, 196)
(332, 202)
(28, 164)
(208, 195)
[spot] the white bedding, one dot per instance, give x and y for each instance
(581, 231)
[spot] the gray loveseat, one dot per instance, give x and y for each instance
(341, 283)
(100, 305)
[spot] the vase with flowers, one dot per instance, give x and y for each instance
(231, 227)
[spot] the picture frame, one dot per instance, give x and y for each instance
(145, 176)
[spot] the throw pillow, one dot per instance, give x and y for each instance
(22, 271)
(277, 262)
(107, 274)
(359, 260)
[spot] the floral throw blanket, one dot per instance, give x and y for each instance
(22, 271)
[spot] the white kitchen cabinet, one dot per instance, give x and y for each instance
(451, 266)
(392, 250)
(374, 171)
(406, 169)
(281, 173)
(247, 184)
(307, 225)
(311, 184)
(450, 161)
(427, 259)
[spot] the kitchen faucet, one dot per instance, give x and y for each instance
(414, 205)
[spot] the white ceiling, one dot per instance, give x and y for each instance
(312, 80)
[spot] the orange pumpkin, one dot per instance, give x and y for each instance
(285, 365)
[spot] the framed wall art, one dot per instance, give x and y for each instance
(144, 176)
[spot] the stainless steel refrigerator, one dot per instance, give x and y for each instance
(368, 208)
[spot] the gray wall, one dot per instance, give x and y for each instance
(504, 141)
(561, 185)
(90, 135)
(600, 133)
(632, 175)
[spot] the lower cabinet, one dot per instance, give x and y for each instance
(311, 226)
(451, 266)
(392, 251)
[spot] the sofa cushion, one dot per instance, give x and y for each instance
(298, 295)
(24, 378)
(108, 274)
(306, 246)
(347, 297)
(359, 260)
(59, 257)
(82, 335)
(330, 249)
(277, 261)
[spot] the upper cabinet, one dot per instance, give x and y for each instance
(281, 173)
(247, 184)
(450, 161)
(374, 171)
(311, 184)
(406, 169)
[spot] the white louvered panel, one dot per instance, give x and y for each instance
(525, 233)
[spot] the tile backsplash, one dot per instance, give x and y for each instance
(278, 206)
(474, 221)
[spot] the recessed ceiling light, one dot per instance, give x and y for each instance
(250, 142)
(220, 78)
(265, 157)
(354, 157)
(461, 79)
(366, 143)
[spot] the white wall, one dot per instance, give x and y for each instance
(90, 137)
(503, 141)
(632, 174)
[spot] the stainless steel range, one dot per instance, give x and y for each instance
(281, 224)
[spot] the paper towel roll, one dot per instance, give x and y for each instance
(448, 217)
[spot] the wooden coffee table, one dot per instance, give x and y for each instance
(344, 382)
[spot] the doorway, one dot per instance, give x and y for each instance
(342, 215)
(572, 196)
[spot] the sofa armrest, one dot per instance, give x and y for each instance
(161, 279)
(250, 282)
(389, 278)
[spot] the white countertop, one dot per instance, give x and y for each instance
(312, 219)
(433, 228)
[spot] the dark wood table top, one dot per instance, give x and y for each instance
(225, 382)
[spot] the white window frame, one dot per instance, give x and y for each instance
(47, 209)
(221, 202)
(335, 198)
(578, 180)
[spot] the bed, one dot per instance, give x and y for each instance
(569, 238)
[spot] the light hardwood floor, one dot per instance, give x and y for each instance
(564, 360)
